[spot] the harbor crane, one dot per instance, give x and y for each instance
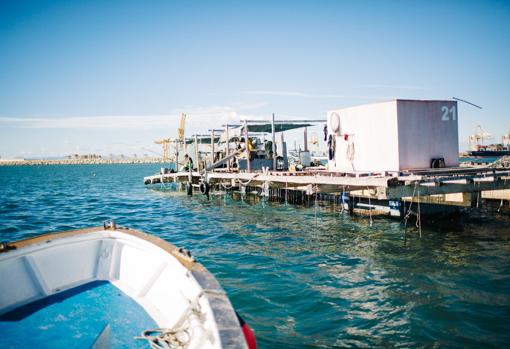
(165, 142)
(505, 139)
(182, 124)
(478, 137)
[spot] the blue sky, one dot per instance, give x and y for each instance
(112, 76)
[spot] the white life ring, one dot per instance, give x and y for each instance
(334, 123)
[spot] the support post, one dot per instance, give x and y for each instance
(196, 153)
(212, 147)
(248, 165)
(227, 149)
(402, 208)
(283, 151)
(305, 136)
(273, 138)
(350, 205)
(176, 142)
(473, 198)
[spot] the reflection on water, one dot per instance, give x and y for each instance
(339, 282)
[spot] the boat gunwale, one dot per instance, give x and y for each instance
(225, 317)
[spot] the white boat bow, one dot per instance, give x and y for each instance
(178, 293)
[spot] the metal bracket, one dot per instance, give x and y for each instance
(109, 225)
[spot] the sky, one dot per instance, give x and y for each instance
(112, 76)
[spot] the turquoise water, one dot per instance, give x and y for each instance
(337, 283)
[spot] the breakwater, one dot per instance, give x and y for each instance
(95, 161)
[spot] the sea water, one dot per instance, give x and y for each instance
(299, 282)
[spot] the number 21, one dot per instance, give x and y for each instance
(446, 113)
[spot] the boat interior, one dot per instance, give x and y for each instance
(105, 287)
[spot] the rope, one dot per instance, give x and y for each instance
(226, 187)
(409, 211)
(342, 200)
(502, 201)
(315, 208)
(350, 151)
(286, 191)
(478, 196)
(418, 221)
(369, 207)
(177, 337)
(265, 189)
(315, 202)
(167, 338)
(247, 182)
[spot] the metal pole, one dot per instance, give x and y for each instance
(282, 148)
(305, 136)
(212, 147)
(227, 150)
(176, 156)
(248, 165)
(274, 142)
(196, 153)
(288, 121)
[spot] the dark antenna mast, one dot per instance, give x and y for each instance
(462, 100)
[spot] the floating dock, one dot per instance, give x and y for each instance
(399, 157)
(437, 190)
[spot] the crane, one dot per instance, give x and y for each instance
(165, 142)
(505, 139)
(477, 139)
(180, 131)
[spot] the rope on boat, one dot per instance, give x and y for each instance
(177, 337)
(167, 338)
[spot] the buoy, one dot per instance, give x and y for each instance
(247, 332)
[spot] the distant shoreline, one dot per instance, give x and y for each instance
(23, 162)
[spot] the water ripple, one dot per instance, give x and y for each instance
(337, 283)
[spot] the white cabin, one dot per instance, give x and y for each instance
(393, 136)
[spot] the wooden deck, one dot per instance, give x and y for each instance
(383, 186)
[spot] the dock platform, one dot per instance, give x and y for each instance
(382, 186)
(409, 194)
